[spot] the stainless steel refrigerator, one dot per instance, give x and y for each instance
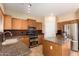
(72, 32)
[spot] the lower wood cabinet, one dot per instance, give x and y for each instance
(54, 49)
(40, 39)
(25, 40)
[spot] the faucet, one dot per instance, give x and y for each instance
(8, 32)
(5, 33)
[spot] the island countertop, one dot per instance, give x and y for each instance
(56, 47)
(56, 40)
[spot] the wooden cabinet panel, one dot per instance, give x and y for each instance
(46, 48)
(40, 39)
(17, 24)
(24, 25)
(25, 40)
(66, 48)
(7, 22)
(60, 26)
(57, 50)
(54, 49)
(39, 26)
(31, 23)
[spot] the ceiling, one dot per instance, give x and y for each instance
(40, 9)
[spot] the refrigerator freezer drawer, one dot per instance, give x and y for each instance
(74, 45)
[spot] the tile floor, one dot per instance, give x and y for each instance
(37, 51)
(73, 53)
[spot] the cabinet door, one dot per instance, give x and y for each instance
(57, 50)
(17, 24)
(25, 40)
(40, 39)
(39, 26)
(24, 25)
(31, 23)
(60, 26)
(7, 22)
(47, 51)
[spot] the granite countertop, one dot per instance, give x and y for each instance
(60, 41)
(16, 49)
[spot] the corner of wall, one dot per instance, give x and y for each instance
(2, 8)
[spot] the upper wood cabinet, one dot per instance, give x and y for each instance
(31, 23)
(20, 24)
(39, 26)
(60, 26)
(7, 22)
(17, 24)
(24, 25)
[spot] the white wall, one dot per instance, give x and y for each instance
(50, 27)
(67, 17)
(23, 16)
(2, 19)
(2, 7)
(1, 24)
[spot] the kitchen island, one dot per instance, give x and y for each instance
(56, 47)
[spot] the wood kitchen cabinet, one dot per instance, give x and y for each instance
(39, 26)
(54, 49)
(40, 39)
(25, 40)
(60, 26)
(17, 24)
(7, 22)
(20, 24)
(24, 25)
(31, 23)
(46, 48)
